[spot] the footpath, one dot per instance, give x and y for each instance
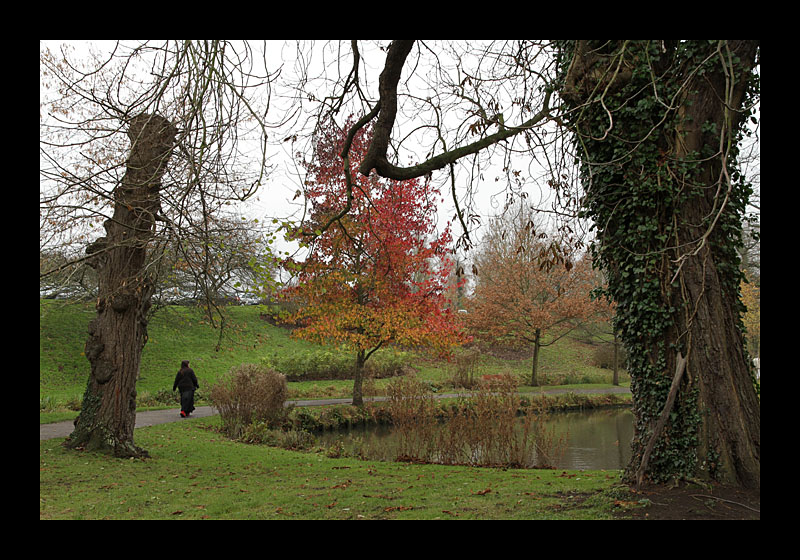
(153, 417)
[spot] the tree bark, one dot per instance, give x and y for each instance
(718, 365)
(730, 434)
(696, 271)
(119, 332)
(535, 365)
(358, 380)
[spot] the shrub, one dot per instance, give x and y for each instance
(604, 356)
(249, 394)
(160, 397)
(335, 363)
(464, 369)
(322, 364)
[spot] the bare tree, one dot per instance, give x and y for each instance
(147, 142)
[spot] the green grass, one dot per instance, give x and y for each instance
(177, 333)
(195, 473)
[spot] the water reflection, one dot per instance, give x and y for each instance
(596, 439)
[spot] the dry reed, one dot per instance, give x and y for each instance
(490, 427)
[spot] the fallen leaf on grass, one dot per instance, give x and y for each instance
(625, 505)
(398, 508)
(482, 492)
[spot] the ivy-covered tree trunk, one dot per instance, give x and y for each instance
(657, 124)
(118, 334)
(719, 365)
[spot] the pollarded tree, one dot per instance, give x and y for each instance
(139, 148)
(376, 274)
(118, 333)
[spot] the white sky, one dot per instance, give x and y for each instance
(275, 198)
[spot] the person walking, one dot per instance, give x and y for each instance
(186, 382)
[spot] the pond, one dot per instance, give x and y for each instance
(594, 439)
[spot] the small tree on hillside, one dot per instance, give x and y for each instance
(377, 274)
(526, 292)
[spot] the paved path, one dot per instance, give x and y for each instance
(153, 417)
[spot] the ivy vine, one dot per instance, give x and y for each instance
(625, 136)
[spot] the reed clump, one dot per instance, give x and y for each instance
(492, 426)
(412, 410)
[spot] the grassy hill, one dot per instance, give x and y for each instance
(180, 333)
(175, 333)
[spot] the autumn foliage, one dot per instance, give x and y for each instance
(378, 273)
(751, 298)
(530, 291)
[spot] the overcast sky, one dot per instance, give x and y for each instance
(319, 64)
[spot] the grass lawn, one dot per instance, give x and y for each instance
(176, 333)
(195, 473)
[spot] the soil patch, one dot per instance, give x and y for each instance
(692, 502)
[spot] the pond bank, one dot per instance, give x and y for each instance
(154, 417)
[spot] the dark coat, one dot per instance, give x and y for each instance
(185, 380)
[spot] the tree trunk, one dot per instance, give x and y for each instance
(718, 364)
(669, 217)
(535, 365)
(358, 381)
(119, 332)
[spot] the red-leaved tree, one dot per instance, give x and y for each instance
(377, 274)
